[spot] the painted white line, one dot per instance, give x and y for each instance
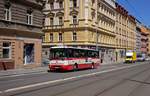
(70, 78)
(33, 85)
(23, 74)
(1, 92)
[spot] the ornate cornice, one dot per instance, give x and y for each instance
(50, 14)
(59, 13)
(74, 12)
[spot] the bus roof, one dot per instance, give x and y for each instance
(58, 47)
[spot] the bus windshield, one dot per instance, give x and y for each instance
(58, 53)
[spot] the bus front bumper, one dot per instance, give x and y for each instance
(60, 67)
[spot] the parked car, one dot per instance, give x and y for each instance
(141, 57)
(45, 61)
(147, 59)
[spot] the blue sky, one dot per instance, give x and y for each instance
(138, 8)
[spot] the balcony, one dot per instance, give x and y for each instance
(144, 49)
(144, 38)
(144, 45)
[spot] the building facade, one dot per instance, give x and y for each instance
(125, 32)
(81, 23)
(148, 28)
(20, 33)
(144, 40)
(138, 36)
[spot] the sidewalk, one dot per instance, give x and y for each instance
(33, 70)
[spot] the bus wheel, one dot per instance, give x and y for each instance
(75, 67)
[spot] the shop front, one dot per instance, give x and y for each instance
(19, 53)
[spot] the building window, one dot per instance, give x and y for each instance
(74, 3)
(29, 18)
(52, 5)
(60, 4)
(8, 14)
(51, 37)
(51, 21)
(74, 36)
(60, 21)
(43, 38)
(28, 54)
(75, 21)
(93, 14)
(60, 37)
(6, 50)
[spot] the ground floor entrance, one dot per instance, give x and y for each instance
(19, 53)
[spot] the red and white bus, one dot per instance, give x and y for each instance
(70, 58)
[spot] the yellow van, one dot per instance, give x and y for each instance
(130, 57)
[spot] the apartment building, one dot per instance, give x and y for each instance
(144, 40)
(148, 41)
(20, 33)
(81, 23)
(138, 36)
(125, 32)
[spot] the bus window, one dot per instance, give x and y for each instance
(57, 53)
(76, 53)
(96, 54)
(93, 54)
(82, 53)
(69, 53)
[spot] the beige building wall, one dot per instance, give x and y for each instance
(125, 32)
(95, 25)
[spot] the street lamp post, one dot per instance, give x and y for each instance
(96, 40)
(97, 28)
(97, 34)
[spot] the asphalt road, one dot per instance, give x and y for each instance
(110, 80)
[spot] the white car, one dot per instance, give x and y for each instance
(147, 59)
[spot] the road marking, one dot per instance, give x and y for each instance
(23, 74)
(66, 79)
(1, 92)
